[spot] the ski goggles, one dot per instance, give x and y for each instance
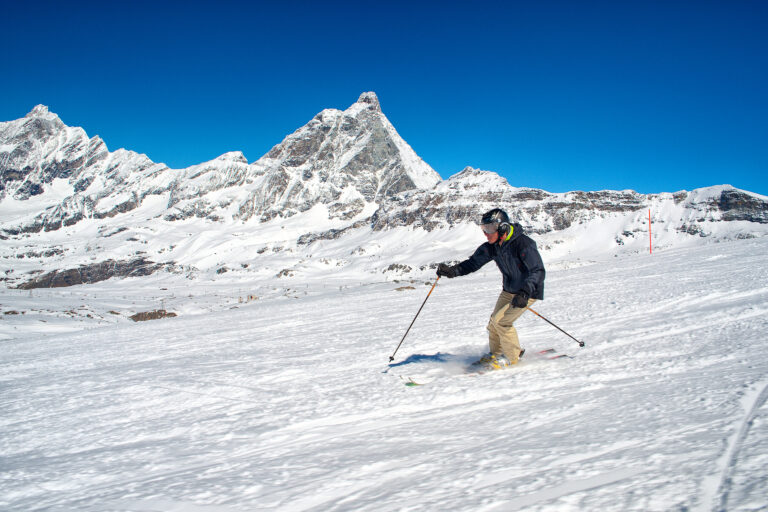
(490, 229)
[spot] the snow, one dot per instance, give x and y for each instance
(423, 176)
(713, 192)
(13, 210)
(286, 401)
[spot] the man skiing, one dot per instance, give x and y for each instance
(523, 270)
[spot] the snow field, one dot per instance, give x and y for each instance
(289, 404)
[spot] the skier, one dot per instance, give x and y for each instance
(523, 270)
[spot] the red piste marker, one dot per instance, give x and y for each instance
(650, 238)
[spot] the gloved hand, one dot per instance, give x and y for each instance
(447, 270)
(520, 300)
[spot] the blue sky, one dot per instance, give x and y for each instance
(655, 96)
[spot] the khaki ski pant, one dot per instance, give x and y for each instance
(502, 335)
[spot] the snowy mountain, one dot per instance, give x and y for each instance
(345, 191)
(339, 159)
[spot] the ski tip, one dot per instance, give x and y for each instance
(410, 382)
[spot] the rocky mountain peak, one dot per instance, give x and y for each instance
(370, 99)
(336, 151)
(232, 156)
(39, 111)
(39, 148)
(39, 117)
(470, 177)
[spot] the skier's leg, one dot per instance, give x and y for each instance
(505, 328)
(494, 336)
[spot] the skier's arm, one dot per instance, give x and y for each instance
(473, 263)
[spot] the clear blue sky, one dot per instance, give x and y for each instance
(561, 95)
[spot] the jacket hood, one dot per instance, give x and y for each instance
(517, 230)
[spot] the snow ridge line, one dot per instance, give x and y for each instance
(723, 490)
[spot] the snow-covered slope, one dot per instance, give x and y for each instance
(283, 403)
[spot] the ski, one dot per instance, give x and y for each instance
(551, 353)
(410, 382)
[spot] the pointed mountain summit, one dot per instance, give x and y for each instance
(371, 99)
(40, 148)
(343, 159)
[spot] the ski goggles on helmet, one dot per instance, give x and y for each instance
(490, 228)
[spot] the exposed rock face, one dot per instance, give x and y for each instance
(87, 274)
(738, 205)
(152, 315)
(341, 159)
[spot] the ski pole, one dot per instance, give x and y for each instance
(581, 343)
(392, 357)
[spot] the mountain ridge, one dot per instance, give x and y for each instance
(341, 178)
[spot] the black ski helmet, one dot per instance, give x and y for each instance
(499, 218)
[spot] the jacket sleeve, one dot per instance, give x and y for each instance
(531, 259)
(481, 257)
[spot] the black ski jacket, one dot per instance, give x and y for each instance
(518, 260)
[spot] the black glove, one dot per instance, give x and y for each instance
(447, 270)
(520, 300)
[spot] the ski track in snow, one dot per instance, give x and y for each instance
(289, 403)
(753, 401)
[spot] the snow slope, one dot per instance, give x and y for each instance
(287, 402)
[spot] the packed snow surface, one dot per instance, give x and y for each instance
(288, 401)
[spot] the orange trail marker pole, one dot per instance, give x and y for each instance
(650, 238)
